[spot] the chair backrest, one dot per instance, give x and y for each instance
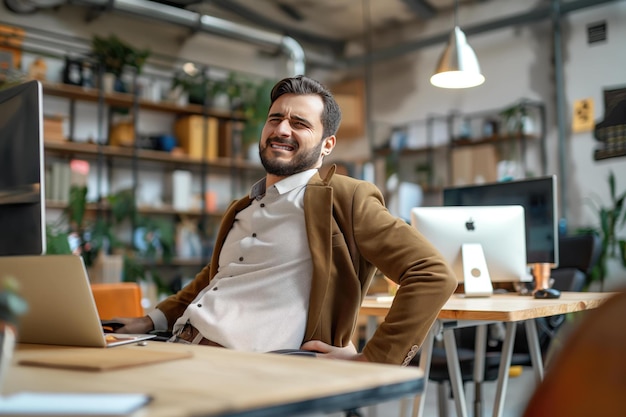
(587, 377)
(579, 251)
(121, 299)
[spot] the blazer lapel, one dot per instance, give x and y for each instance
(318, 203)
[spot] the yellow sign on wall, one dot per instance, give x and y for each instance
(582, 120)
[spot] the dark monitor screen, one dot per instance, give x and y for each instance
(22, 203)
(536, 195)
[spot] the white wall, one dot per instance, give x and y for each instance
(517, 63)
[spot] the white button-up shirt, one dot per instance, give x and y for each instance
(259, 299)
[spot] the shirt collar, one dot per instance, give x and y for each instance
(285, 185)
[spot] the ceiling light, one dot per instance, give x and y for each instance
(458, 66)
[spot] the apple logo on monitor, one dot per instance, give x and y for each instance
(469, 225)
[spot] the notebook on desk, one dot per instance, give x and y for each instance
(61, 307)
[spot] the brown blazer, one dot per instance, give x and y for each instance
(351, 233)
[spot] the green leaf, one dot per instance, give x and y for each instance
(612, 186)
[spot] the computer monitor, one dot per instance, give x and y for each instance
(538, 197)
(499, 230)
(22, 201)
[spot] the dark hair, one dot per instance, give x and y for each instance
(302, 85)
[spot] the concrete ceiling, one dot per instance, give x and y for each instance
(323, 23)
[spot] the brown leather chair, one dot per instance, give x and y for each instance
(588, 377)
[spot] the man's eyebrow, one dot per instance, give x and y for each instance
(301, 119)
(295, 117)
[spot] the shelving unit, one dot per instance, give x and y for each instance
(448, 142)
(241, 172)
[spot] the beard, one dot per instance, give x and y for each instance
(301, 161)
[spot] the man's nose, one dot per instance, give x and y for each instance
(283, 128)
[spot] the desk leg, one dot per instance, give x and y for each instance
(454, 369)
(534, 349)
(503, 370)
(480, 348)
(425, 359)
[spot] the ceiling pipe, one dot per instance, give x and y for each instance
(209, 24)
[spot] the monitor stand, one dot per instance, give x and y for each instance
(541, 272)
(476, 279)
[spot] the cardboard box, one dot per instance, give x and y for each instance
(53, 128)
(350, 96)
(190, 136)
(474, 164)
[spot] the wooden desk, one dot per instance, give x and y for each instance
(508, 308)
(221, 382)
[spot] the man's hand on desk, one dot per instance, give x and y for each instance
(327, 351)
(135, 325)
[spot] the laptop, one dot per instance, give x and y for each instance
(61, 307)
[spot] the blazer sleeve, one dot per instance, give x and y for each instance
(402, 254)
(174, 306)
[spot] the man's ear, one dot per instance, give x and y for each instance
(329, 145)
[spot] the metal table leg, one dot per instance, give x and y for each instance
(534, 349)
(425, 359)
(480, 349)
(456, 382)
(503, 371)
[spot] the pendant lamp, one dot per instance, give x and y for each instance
(458, 66)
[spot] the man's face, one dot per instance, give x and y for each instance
(291, 140)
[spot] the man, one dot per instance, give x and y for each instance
(293, 260)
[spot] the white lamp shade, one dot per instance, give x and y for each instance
(458, 66)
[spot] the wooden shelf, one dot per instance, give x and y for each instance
(164, 210)
(93, 150)
(126, 100)
(176, 262)
(600, 154)
(410, 151)
(458, 142)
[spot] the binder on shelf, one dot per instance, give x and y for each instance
(190, 135)
(60, 184)
(181, 190)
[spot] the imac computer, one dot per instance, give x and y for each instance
(481, 244)
(538, 196)
(22, 202)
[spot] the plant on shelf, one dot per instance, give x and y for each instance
(114, 55)
(152, 240)
(610, 219)
(515, 119)
(251, 97)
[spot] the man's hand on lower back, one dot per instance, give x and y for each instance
(327, 351)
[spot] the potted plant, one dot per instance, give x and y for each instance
(610, 219)
(11, 307)
(194, 84)
(114, 54)
(93, 239)
(252, 99)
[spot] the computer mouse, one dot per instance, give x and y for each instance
(546, 293)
